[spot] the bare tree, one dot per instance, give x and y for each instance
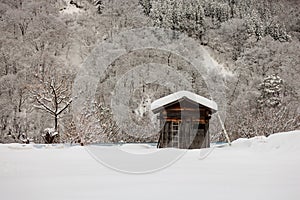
(53, 97)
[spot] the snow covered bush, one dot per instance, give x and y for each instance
(50, 136)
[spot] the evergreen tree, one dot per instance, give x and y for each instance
(271, 91)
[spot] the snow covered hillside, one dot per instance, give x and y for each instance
(256, 168)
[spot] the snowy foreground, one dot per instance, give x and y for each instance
(257, 168)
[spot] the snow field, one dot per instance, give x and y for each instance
(256, 168)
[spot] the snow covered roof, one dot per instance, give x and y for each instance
(159, 103)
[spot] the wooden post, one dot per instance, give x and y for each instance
(223, 127)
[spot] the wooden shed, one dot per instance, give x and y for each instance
(184, 120)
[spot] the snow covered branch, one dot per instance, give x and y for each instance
(53, 97)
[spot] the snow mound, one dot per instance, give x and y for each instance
(138, 148)
(248, 142)
(283, 141)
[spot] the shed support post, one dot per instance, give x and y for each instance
(223, 127)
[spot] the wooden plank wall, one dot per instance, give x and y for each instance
(190, 137)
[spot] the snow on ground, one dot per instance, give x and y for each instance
(256, 168)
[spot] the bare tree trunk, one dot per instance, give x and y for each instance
(56, 123)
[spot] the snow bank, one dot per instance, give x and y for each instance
(285, 140)
(279, 141)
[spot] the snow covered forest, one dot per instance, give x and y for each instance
(43, 43)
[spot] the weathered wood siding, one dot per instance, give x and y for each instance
(193, 123)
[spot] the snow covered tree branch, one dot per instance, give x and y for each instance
(53, 97)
